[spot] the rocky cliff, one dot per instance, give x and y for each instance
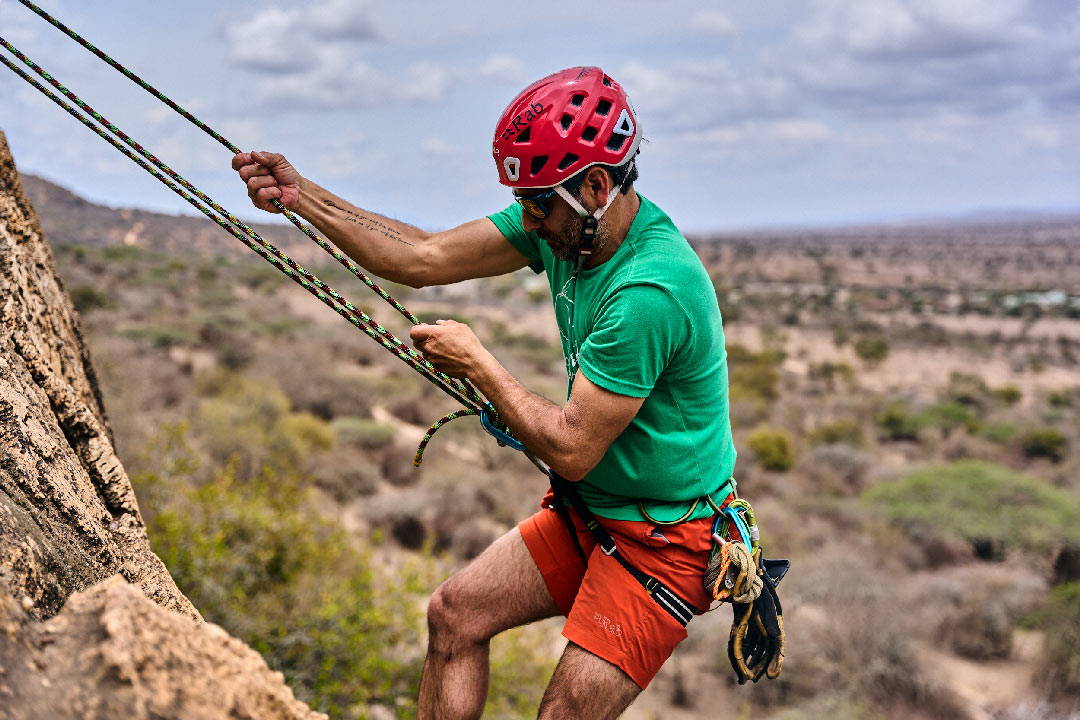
(80, 633)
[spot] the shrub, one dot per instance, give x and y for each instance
(1060, 620)
(871, 350)
(898, 424)
(753, 376)
(363, 433)
(1044, 442)
(1060, 399)
(87, 297)
(257, 560)
(772, 448)
(966, 389)
(1000, 433)
(988, 505)
(1007, 394)
(950, 415)
(841, 431)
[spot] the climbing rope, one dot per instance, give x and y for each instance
(300, 224)
(461, 391)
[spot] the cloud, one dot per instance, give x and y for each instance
(298, 40)
(503, 67)
(712, 22)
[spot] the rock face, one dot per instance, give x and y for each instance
(127, 643)
(112, 653)
(68, 515)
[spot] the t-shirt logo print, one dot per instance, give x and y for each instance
(564, 308)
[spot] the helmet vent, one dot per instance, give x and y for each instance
(603, 107)
(577, 100)
(525, 136)
(607, 81)
(589, 134)
(566, 121)
(615, 142)
(568, 160)
(537, 164)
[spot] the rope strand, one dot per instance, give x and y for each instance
(264, 249)
(300, 224)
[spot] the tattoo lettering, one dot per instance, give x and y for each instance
(369, 223)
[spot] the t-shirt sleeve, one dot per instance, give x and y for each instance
(638, 332)
(527, 243)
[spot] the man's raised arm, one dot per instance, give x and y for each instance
(388, 248)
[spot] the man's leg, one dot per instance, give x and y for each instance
(586, 686)
(500, 589)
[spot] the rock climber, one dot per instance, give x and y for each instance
(644, 436)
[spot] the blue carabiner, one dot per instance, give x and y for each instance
(502, 436)
(744, 532)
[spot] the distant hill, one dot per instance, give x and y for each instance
(69, 219)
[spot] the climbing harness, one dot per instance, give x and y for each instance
(459, 390)
(567, 496)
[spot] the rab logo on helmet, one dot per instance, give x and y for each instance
(522, 120)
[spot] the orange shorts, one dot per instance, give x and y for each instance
(608, 612)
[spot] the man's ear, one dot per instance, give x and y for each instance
(598, 184)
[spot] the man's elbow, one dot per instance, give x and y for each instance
(573, 465)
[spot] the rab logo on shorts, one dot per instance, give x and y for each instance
(605, 622)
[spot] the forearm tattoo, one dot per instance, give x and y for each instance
(369, 223)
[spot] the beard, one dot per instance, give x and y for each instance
(565, 243)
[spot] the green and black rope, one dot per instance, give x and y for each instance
(264, 249)
(463, 392)
(303, 227)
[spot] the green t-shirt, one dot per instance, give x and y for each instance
(645, 323)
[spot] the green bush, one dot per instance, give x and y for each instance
(1007, 394)
(982, 503)
(871, 350)
(840, 431)
(1061, 398)
(966, 389)
(753, 376)
(772, 448)
(999, 433)
(897, 423)
(1060, 621)
(87, 297)
(949, 416)
(256, 559)
(363, 433)
(248, 423)
(1044, 442)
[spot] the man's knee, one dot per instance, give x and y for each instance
(449, 614)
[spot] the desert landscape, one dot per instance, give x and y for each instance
(905, 401)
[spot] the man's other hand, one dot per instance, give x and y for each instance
(450, 346)
(268, 176)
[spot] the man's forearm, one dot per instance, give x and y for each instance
(536, 421)
(386, 247)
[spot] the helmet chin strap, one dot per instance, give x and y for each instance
(589, 222)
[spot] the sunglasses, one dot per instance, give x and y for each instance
(538, 204)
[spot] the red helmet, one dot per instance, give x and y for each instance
(562, 124)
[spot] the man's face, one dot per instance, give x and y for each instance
(561, 229)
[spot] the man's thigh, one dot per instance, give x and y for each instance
(500, 589)
(586, 686)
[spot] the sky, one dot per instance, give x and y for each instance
(755, 114)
